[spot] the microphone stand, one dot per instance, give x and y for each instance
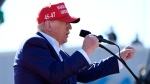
(121, 60)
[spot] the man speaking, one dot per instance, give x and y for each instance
(41, 60)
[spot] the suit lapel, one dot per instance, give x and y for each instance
(54, 54)
(63, 55)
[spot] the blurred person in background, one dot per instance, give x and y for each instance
(41, 60)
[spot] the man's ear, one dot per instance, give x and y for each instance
(48, 25)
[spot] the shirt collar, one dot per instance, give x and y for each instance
(52, 41)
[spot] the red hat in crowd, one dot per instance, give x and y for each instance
(56, 12)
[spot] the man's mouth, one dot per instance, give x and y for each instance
(67, 34)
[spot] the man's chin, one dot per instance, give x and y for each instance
(65, 41)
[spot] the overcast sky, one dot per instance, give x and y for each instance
(127, 17)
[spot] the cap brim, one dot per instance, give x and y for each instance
(70, 19)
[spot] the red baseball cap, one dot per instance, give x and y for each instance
(56, 12)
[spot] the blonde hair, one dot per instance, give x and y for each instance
(40, 26)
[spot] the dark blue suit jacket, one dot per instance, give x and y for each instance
(38, 63)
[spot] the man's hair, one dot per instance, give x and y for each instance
(40, 26)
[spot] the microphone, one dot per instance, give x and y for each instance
(83, 33)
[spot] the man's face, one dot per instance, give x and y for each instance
(60, 31)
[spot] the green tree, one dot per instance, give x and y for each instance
(1, 17)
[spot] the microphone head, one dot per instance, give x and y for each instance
(83, 33)
(100, 36)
